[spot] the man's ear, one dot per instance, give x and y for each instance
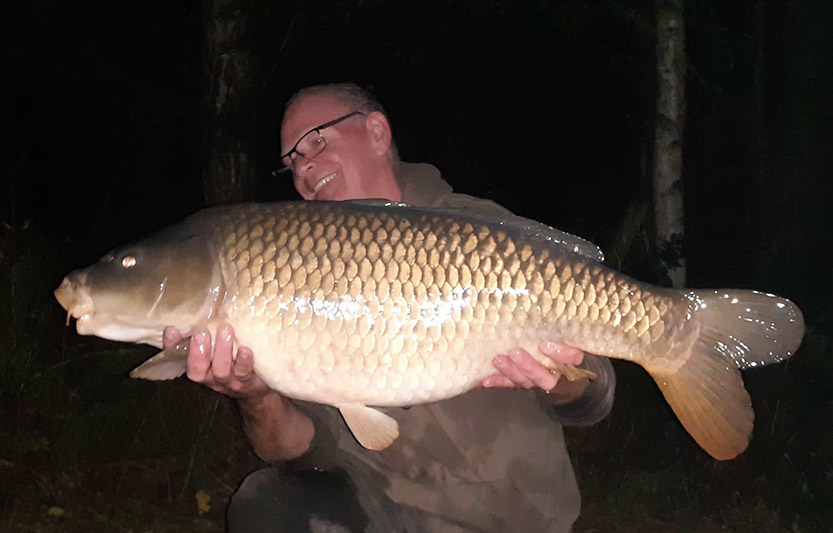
(380, 134)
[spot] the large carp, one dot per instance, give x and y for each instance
(357, 304)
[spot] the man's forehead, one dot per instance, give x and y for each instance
(308, 112)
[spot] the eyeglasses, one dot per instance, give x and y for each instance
(310, 144)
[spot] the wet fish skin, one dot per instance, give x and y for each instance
(357, 304)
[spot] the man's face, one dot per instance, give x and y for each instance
(349, 167)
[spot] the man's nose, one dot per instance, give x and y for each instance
(302, 165)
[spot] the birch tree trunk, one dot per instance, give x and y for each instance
(229, 132)
(668, 139)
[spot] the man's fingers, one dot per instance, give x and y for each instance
(199, 356)
(223, 359)
(534, 371)
(562, 353)
(498, 381)
(170, 336)
(519, 368)
(244, 364)
(508, 366)
(215, 366)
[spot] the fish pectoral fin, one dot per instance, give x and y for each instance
(170, 363)
(373, 429)
(569, 372)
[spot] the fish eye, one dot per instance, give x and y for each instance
(128, 261)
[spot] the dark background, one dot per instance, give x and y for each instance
(546, 107)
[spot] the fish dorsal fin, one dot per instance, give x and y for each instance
(519, 227)
(536, 231)
(170, 363)
(373, 429)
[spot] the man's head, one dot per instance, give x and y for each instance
(359, 157)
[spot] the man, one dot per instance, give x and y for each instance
(489, 460)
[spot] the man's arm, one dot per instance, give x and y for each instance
(277, 429)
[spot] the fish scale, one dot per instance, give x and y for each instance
(373, 304)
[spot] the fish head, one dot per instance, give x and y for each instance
(133, 292)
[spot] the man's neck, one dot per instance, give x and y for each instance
(388, 186)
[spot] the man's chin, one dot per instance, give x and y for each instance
(326, 195)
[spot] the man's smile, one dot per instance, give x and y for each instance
(324, 181)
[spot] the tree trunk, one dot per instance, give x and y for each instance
(229, 101)
(668, 140)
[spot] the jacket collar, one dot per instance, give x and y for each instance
(421, 184)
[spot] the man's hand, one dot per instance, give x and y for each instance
(278, 431)
(519, 369)
(234, 377)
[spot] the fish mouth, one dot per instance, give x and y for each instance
(74, 297)
(322, 183)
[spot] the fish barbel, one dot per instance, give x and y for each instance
(358, 304)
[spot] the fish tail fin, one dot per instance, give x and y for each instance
(737, 330)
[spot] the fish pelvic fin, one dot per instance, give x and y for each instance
(373, 429)
(737, 330)
(168, 364)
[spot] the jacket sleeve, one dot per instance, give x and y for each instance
(596, 401)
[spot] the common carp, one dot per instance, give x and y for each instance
(359, 304)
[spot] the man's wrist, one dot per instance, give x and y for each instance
(266, 400)
(277, 430)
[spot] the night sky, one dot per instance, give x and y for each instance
(546, 107)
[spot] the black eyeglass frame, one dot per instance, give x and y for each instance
(317, 130)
